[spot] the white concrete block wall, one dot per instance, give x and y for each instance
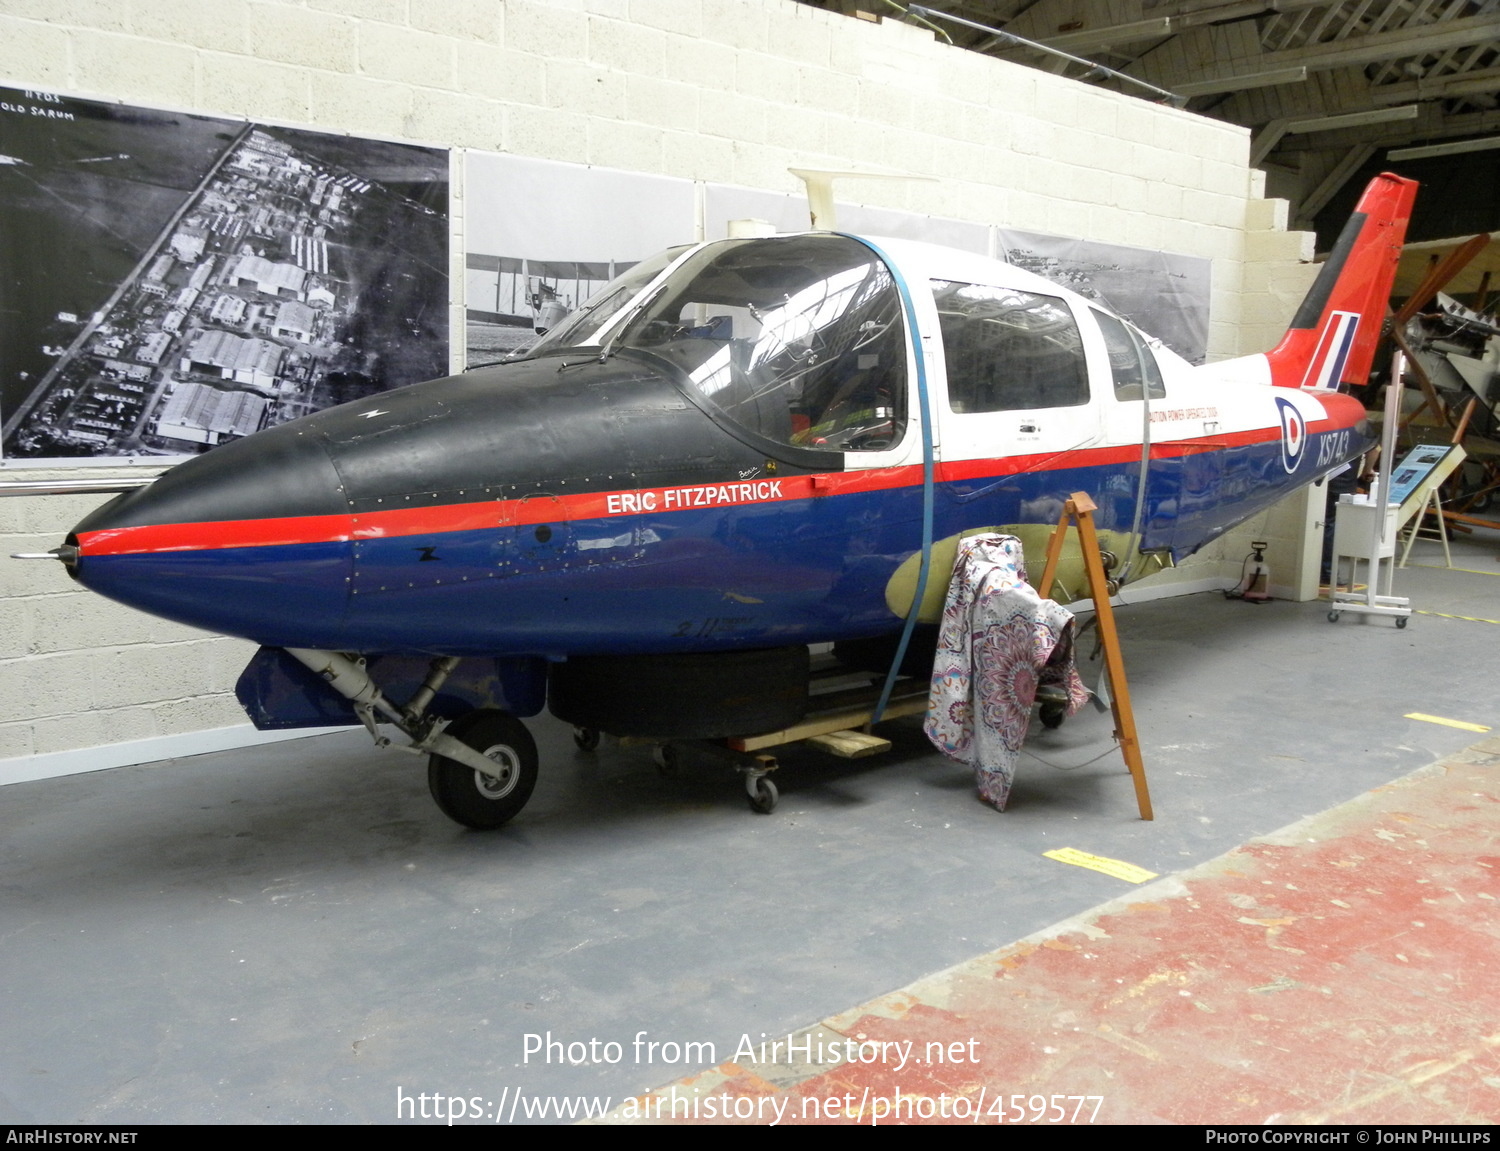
(78, 671)
(731, 91)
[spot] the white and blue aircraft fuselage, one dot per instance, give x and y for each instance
(738, 446)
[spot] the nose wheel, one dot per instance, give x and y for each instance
(485, 800)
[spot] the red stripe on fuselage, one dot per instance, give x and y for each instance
(462, 517)
(214, 534)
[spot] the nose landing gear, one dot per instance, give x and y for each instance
(478, 799)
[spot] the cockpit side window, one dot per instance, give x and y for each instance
(1008, 349)
(1130, 360)
(798, 338)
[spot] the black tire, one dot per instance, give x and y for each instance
(705, 695)
(1401, 621)
(1333, 617)
(471, 797)
(587, 738)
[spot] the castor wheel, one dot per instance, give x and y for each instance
(587, 738)
(764, 797)
(668, 759)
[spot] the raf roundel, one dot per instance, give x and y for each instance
(1293, 434)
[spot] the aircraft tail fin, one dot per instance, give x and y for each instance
(1333, 336)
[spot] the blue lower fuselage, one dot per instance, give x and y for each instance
(796, 569)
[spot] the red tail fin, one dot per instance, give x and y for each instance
(1333, 335)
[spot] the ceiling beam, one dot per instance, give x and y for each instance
(1101, 36)
(1431, 128)
(1270, 136)
(1355, 51)
(1453, 149)
(1252, 80)
(1095, 39)
(1353, 23)
(1352, 119)
(1474, 83)
(1290, 34)
(1034, 22)
(1345, 90)
(1107, 35)
(1094, 70)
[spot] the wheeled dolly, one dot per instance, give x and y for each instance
(755, 769)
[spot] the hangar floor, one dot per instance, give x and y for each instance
(293, 933)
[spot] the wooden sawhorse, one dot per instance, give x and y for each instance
(1079, 511)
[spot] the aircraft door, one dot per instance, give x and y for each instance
(1138, 388)
(1190, 472)
(1017, 385)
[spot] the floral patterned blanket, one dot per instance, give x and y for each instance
(998, 642)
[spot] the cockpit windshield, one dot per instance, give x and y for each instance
(797, 338)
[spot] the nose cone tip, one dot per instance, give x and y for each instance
(67, 553)
(248, 540)
(282, 472)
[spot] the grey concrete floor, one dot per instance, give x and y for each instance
(294, 933)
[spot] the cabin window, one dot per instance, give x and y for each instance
(799, 339)
(1008, 349)
(1130, 360)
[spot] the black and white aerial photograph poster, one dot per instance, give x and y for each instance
(541, 237)
(169, 282)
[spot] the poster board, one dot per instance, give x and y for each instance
(542, 237)
(1419, 474)
(175, 281)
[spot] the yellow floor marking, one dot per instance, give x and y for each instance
(1458, 723)
(1115, 867)
(1447, 615)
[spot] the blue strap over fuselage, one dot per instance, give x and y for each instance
(924, 419)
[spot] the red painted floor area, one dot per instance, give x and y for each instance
(1343, 970)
